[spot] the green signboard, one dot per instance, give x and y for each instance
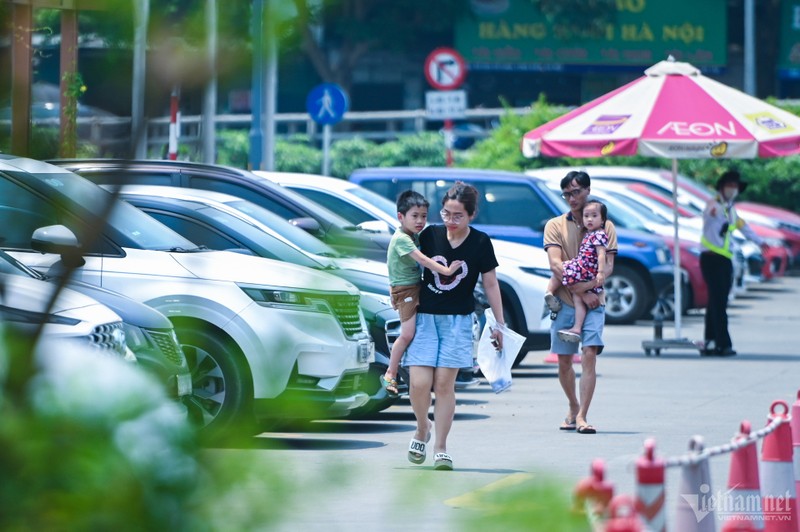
(505, 34)
(789, 58)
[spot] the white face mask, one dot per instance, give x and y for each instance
(730, 193)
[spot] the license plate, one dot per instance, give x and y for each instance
(184, 384)
(365, 351)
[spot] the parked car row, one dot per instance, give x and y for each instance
(263, 339)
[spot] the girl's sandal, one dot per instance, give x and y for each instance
(390, 385)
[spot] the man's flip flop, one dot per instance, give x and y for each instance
(416, 450)
(567, 336)
(586, 429)
(568, 425)
(442, 462)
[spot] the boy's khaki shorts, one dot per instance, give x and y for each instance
(405, 300)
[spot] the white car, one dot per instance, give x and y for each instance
(523, 272)
(25, 306)
(264, 339)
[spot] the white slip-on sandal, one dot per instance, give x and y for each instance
(417, 450)
(442, 462)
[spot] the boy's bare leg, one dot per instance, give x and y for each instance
(407, 330)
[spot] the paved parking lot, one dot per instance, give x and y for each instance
(354, 474)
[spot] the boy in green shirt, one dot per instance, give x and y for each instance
(404, 261)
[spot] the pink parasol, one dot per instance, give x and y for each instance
(672, 111)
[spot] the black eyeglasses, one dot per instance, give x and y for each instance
(572, 193)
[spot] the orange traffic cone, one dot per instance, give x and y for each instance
(695, 509)
(743, 513)
(650, 488)
(778, 496)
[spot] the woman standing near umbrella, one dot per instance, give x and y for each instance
(719, 221)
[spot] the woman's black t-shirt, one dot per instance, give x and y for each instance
(454, 294)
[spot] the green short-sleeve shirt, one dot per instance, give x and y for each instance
(403, 270)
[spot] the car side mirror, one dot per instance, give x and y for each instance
(60, 240)
(376, 226)
(307, 224)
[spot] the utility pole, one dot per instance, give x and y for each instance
(270, 86)
(138, 129)
(256, 82)
(749, 47)
(208, 131)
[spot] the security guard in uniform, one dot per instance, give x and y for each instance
(719, 221)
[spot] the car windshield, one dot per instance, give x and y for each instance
(652, 211)
(622, 215)
(10, 265)
(292, 233)
(378, 201)
(274, 246)
(140, 230)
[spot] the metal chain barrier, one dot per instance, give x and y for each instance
(694, 458)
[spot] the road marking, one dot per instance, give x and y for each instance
(477, 498)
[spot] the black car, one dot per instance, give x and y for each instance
(320, 222)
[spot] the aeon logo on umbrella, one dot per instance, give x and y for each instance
(699, 129)
(605, 124)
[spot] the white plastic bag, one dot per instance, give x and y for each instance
(496, 364)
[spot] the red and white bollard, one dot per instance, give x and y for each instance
(778, 496)
(623, 516)
(650, 488)
(744, 487)
(174, 123)
(594, 492)
(795, 424)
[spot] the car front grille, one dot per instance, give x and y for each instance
(166, 343)
(109, 337)
(346, 310)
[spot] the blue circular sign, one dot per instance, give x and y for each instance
(327, 103)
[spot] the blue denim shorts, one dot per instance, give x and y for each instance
(441, 341)
(592, 334)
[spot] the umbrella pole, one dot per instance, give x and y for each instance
(676, 251)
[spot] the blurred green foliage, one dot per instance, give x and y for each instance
(90, 442)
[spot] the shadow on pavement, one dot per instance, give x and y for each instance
(676, 355)
(307, 444)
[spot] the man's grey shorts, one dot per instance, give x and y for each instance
(441, 341)
(592, 334)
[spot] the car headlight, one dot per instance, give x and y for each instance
(541, 272)
(695, 250)
(283, 298)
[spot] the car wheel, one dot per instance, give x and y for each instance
(666, 302)
(626, 296)
(221, 400)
